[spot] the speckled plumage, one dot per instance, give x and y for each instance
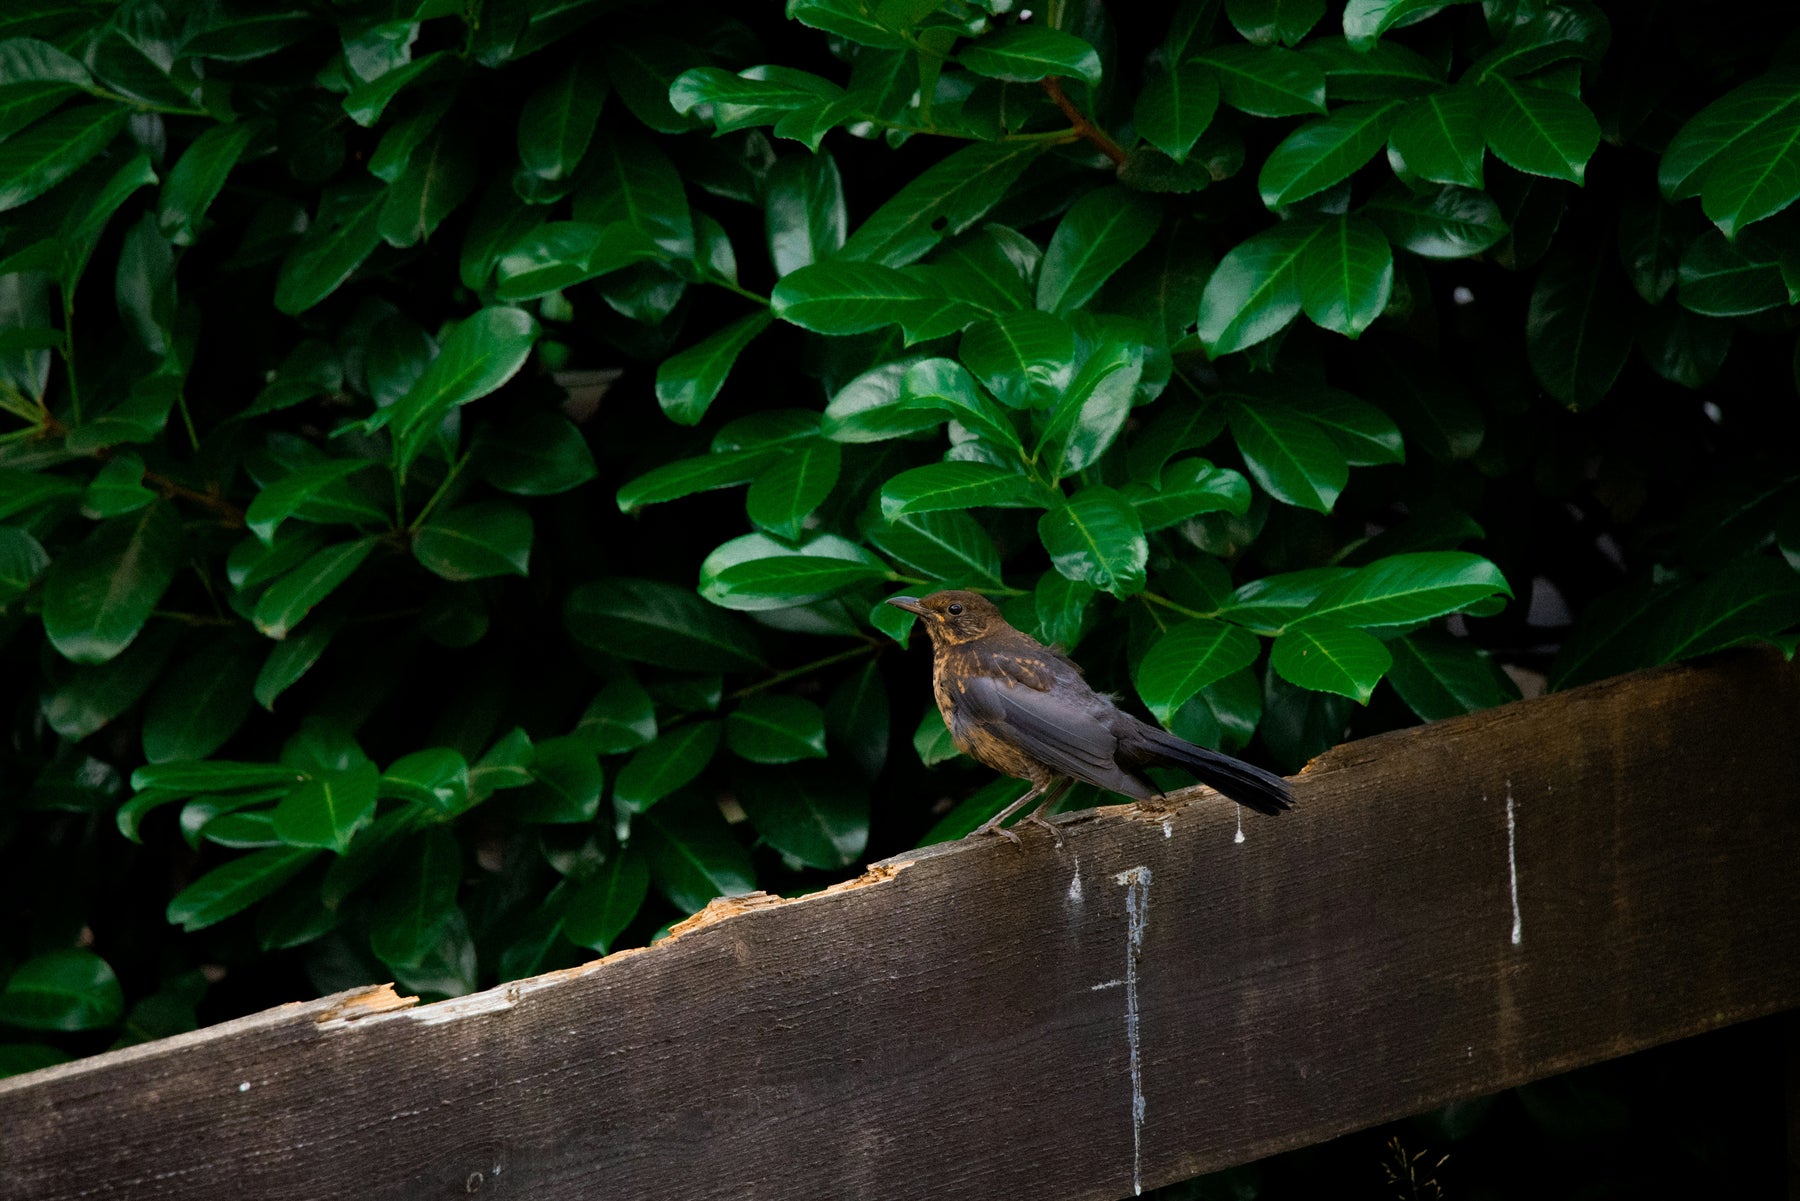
(1024, 709)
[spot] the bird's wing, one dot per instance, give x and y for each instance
(1059, 728)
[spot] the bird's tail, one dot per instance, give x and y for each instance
(1249, 786)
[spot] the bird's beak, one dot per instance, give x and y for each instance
(911, 604)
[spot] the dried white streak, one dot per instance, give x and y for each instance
(1512, 865)
(1240, 829)
(1075, 884)
(1137, 912)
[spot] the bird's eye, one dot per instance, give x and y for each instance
(955, 609)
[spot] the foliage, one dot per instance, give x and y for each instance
(458, 452)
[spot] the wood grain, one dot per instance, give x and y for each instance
(1447, 911)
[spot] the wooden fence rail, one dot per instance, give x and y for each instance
(1447, 912)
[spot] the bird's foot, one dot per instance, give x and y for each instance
(1055, 832)
(993, 828)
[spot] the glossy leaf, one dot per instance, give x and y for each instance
(1028, 53)
(1255, 291)
(673, 760)
(414, 903)
(1346, 276)
(327, 810)
(318, 489)
(1025, 359)
(476, 541)
(1752, 599)
(957, 485)
(1740, 154)
(1188, 488)
(1187, 658)
(692, 854)
(946, 386)
(1266, 21)
(1268, 81)
(542, 454)
(1722, 280)
(1094, 239)
(343, 233)
(67, 989)
(1087, 419)
(1367, 20)
(557, 121)
(1440, 137)
(196, 708)
(1343, 661)
(817, 818)
(947, 546)
(288, 600)
(805, 211)
(781, 499)
(1290, 457)
(1175, 107)
(684, 477)
(44, 154)
(648, 621)
(236, 885)
(479, 355)
(1538, 130)
(1382, 71)
(197, 177)
(942, 201)
(1404, 589)
(1454, 223)
(1441, 677)
(99, 593)
(1576, 335)
(607, 901)
(776, 728)
(565, 786)
(1322, 153)
(1096, 538)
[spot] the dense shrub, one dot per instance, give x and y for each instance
(380, 594)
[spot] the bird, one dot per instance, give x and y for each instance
(1024, 709)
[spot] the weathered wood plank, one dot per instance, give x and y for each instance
(1448, 911)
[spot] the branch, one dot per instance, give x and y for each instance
(1083, 127)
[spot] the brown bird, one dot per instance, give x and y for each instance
(1022, 708)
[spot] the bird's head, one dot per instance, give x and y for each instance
(954, 616)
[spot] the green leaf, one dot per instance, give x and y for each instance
(77, 701)
(692, 854)
(773, 728)
(1366, 20)
(99, 593)
(235, 886)
(1722, 280)
(1268, 81)
(621, 718)
(647, 621)
(67, 989)
(944, 384)
(1189, 657)
(43, 155)
(1346, 276)
(566, 784)
(1405, 589)
(328, 809)
(1255, 291)
(541, 454)
(437, 179)
(1175, 107)
(1684, 348)
(874, 407)
(1087, 420)
(604, 905)
(1576, 336)
(781, 499)
(804, 211)
(344, 233)
(947, 546)
(760, 95)
(847, 297)
(958, 485)
(1740, 154)
(856, 716)
(1439, 676)
(1266, 21)
(1751, 599)
(198, 707)
(1096, 538)
(1548, 35)
(795, 578)
(673, 760)
(1454, 223)
(483, 352)
(369, 99)
(932, 739)
(1440, 137)
(1188, 488)
(1382, 71)
(942, 201)
(1366, 435)
(1649, 249)
(1027, 359)
(990, 268)
(1537, 130)
(557, 121)
(1028, 53)
(684, 477)
(1346, 662)
(557, 255)
(291, 658)
(289, 599)
(476, 542)
(634, 182)
(415, 900)
(1291, 458)
(1094, 239)
(316, 491)
(116, 489)
(813, 816)
(1322, 153)
(195, 180)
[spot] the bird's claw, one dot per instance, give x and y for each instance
(1055, 833)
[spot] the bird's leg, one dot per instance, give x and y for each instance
(1036, 818)
(992, 824)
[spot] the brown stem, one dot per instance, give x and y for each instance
(228, 514)
(1084, 127)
